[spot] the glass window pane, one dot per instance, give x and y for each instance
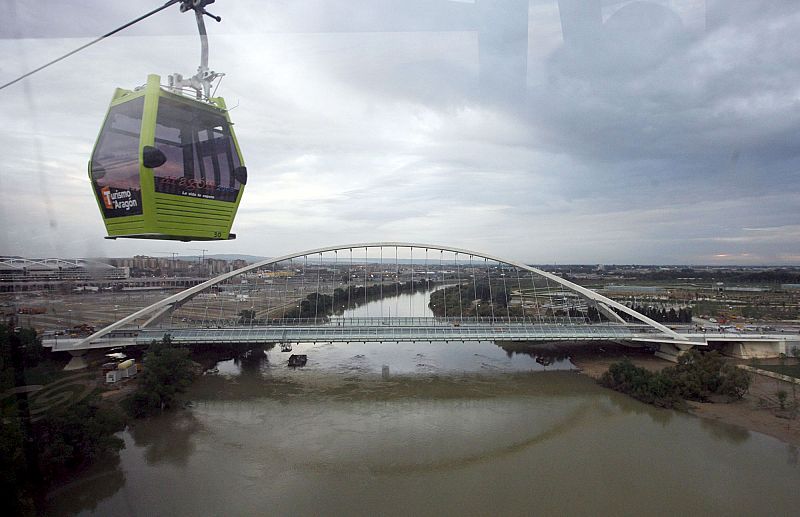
(115, 162)
(199, 150)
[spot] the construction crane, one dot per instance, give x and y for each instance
(203, 270)
(173, 253)
(203, 259)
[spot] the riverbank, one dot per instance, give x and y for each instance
(758, 411)
(594, 360)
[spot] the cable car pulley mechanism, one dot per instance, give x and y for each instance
(202, 80)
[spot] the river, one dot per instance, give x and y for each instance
(454, 428)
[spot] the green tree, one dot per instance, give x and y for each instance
(31, 345)
(697, 376)
(32, 454)
(782, 395)
(167, 373)
(19, 350)
(6, 359)
(735, 382)
(15, 487)
(247, 316)
(642, 384)
(77, 435)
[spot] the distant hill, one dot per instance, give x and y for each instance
(222, 256)
(231, 256)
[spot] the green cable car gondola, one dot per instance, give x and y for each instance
(165, 165)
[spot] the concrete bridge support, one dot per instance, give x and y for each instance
(78, 361)
(758, 349)
(671, 351)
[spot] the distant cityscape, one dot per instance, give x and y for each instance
(147, 272)
(140, 271)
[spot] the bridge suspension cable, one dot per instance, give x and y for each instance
(457, 297)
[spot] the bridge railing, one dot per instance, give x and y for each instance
(316, 334)
(356, 321)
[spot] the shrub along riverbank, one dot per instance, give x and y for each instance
(40, 446)
(167, 372)
(697, 376)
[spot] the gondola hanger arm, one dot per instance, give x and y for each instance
(201, 81)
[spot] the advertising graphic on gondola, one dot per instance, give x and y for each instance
(120, 202)
(202, 189)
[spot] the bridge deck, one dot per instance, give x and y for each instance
(376, 332)
(391, 333)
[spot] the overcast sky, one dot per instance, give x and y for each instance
(640, 132)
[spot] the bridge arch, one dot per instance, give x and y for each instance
(159, 309)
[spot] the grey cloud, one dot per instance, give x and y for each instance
(651, 141)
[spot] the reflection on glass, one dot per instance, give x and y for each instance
(101, 481)
(201, 156)
(115, 162)
(167, 438)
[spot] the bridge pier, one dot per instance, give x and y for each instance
(671, 352)
(756, 349)
(77, 362)
(736, 346)
(667, 350)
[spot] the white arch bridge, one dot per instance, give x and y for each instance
(373, 292)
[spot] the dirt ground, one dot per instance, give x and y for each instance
(595, 360)
(759, 411)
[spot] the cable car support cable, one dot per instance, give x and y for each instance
(96, 40)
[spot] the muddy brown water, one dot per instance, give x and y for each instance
(453, 429)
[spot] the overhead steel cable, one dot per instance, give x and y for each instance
(396, 285)
(444, 292)
(458, 277)
(96, 40)
(506, 296)
(316, 301)
(411, 298)
(349, 280)
(302, 289)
